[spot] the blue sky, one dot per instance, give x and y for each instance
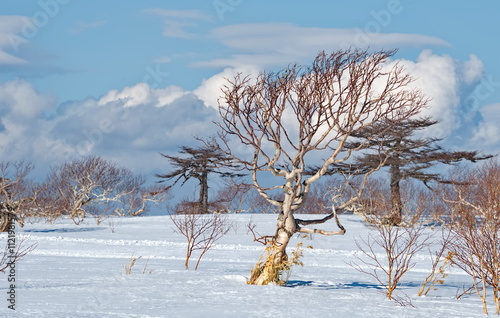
(127, 79)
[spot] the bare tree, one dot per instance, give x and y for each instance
(17, 193)
(97, 187)
(233, 197)
(419, 204)
(198, 165)
(201, 231)
(405, 155)
(474, 199)
(292, 117)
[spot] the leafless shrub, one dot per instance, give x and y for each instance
(474, 200)
(441, 260)
(398, 246)
(201, 231)
(14, 251)
(400, 241)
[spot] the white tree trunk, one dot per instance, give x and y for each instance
(286, 227)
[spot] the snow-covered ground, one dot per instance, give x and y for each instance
(78, 271)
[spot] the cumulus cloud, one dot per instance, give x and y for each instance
(444, 80)
(487, 134)
(210, 89)
(133, 124)
(130, 126)
(472, 70)
(22, 124)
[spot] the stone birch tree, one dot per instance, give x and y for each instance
(290, 118)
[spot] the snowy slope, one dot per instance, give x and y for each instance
(78, 271)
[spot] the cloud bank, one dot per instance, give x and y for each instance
(133, 124)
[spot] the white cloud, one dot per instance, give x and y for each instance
(473, 69)
(268, 44)
(133, 124)
(176, 22)
(210, 89)
(443, 79)
(81, 26)
(21, 101)
(141, 94)
(129, 96)
(134, 135)
(487, 134)
(10, 39)
(21, 118)
(130, 126)
(162, 60)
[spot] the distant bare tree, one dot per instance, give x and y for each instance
(406, 156)
(419, 204)
(233, 197)
(97, 187)
(199, 163)
(293, 116)
(17, 193)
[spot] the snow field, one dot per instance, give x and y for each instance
(78, 271)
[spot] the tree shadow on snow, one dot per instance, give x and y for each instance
(353, 285)
(329, 286)
(64, 230)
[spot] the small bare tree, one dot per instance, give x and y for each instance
(14, 252)
(97, 187)
(388, 253)
(398, 246)
(474, 200)
(202, 231)
(295, 116)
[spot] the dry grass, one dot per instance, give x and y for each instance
(277, 272)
